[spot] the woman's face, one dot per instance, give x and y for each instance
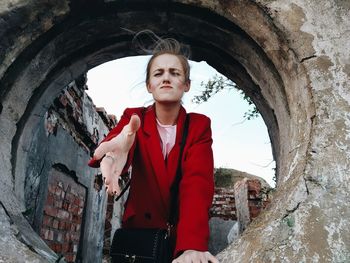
(167, 79)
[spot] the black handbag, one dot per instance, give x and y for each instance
(149, 245)
(141, 245)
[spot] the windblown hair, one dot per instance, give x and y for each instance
(150, 43)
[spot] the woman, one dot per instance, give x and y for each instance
(149, 139)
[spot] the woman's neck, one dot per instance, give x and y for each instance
(167, 113)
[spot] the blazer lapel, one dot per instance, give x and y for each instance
(165, 174)
(173, 157)
(155, 154)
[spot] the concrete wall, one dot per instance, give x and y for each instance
(290, 56)
(61, 142)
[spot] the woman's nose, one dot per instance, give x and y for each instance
(166, 76)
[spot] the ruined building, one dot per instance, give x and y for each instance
(62, 201)
(65, 201)
(291, 57)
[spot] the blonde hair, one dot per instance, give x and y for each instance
(158, 46)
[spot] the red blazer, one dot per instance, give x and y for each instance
(149, 196)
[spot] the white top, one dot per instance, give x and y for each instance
(167, 135)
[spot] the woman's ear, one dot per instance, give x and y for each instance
(188, 85)
(148, 88)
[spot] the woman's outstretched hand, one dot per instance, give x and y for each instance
(115, 153)
(194, 256)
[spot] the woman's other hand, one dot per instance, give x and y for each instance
(115, 153)
(194, 256)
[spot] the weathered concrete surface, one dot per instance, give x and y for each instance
(12, 249)
(290, 56)
(219, 230)
(312, 226)
(63, 145)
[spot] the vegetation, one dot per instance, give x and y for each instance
(219, 83)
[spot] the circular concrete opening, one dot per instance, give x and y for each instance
(73, 39)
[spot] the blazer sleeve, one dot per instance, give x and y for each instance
(124, 120)
(196, 188)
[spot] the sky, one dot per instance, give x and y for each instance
(238, 144)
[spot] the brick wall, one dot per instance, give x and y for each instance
(258, 198)
(225, 204)
(63, 214)
(108, 225)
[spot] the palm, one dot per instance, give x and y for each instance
(116, 151)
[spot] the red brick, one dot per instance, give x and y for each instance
(252, 195)
(42, 232)
(69, 257)
(76, 219)
(67, 237)
(62, 214)
(47, 220)
(58, 191)
(254, 186)
(70, 198)
(55, 224)
(50, 199)
(68, 225)
(65, 247)
(65, 205)
(73, 209)
(76, 237)
(51, 211)
(58, 203)
(80, 211)
(47, 234)
(61, 225)
(52, 245)
(76, 201)
(76, 210)
(57, 248)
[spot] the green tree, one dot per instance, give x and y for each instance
(219, 83)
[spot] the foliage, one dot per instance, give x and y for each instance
(219, 83)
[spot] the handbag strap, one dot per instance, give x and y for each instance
(174, 189)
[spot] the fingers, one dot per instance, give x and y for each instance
(115, 170)
(211, 258)
(113, 188)
(104, 148)
(193, 256)
(106, 167)
(116, 152)
(134, 123)
(122, 142)
(109, 174)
